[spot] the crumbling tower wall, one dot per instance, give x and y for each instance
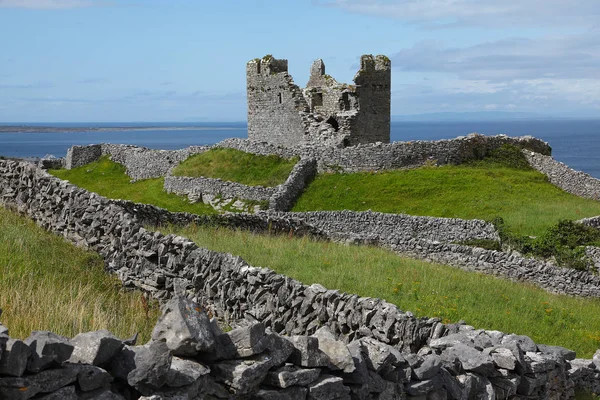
(326, 112)
(373, 81)
(274, 103)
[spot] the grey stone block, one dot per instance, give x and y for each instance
(152, 364)
(15, 357)
(185, 327)
(47, 350)
(328, 387)
(96, 348)
(291, 375)
(306, 352)
(185, 372)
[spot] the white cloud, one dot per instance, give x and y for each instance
(479, 12)
(567, 57)
(50, 4)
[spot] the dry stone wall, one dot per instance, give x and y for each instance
(356, 354)
(190, 357)
(385, 156)
(195, 187)
(281, 197)
(167, 265)
(140, 162)
(575, 182)
(594, 222)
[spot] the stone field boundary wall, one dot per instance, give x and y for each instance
(167, 265)
(571, 181)
(437, 240)
(452, 361)
(189, 357)
(281, 197)
(144, 163)
(195, 187)
(140, 162)
(384, 156)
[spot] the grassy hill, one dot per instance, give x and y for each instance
(524, 198)
(49, 284)
(495, 187)
(424, 288)
(109, 179)
(237, 166)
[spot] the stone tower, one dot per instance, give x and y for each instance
(325, 112)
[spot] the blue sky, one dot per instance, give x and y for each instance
(184, 60)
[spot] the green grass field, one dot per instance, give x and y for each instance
(426, 289)
(49, 284)
(109, 179)
(525, 199)
(237, 166)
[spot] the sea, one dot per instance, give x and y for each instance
(574, 142)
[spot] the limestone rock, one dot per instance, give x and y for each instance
(47, 350)
(470, 359)
(338, 353)
(96, 348)
(46, 381)
(291, 375)
(185, 372)
(557, 351)
(66, 393)
(379, 356)
(152, 364)
(91, 378)
(306, 352)
(14, 359)
(504, 358)
(185, 327)
(429, 368)
(248, 340)
(291, 393)
(328, 387)
(524, 342)
(421, 388)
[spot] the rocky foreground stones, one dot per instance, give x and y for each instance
(190, 357)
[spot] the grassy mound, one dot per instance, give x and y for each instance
(524, 198)
(423, 288)
(109, 179)
(49, 284)
(237, 166)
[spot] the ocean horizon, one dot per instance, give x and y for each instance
(574, 142)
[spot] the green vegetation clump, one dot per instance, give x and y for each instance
(486, 189)
(109, 179)
(565, 242)
(49, 284)
(424, 288)
(237, 166)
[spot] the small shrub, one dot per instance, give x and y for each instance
(565, 242)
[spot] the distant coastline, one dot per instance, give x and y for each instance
(75, 129)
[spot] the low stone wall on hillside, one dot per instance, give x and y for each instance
(435, 239)
(450, 362)
(384, 156)
(140, 162)
(368, 225)
(189, 357)
(167, 265)
(575, 182)
(281, 197)
(195, 187)
(594, 222)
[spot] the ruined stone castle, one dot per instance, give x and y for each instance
(326, 111)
